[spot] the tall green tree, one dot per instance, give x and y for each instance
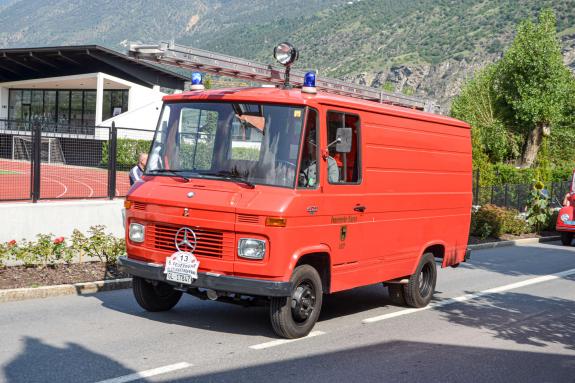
(533, 82)
(477, 105)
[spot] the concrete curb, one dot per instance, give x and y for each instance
(12, 295)
(524, 241)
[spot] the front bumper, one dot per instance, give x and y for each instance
(218, 282)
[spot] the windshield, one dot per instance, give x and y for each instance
(250, 143)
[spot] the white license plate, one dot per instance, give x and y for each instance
(180, 278)
(181, 267)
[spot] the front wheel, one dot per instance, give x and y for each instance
(419, 289)
(155, 297)
(566, 238)
(294, 316)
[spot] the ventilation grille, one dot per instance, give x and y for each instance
(139, 206)
(247, 218)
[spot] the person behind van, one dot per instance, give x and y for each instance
(138, 170)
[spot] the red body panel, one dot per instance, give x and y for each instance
(415, 184)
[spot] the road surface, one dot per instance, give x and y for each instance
(506, 316)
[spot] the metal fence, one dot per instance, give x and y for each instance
(41, 161)
(515, 196)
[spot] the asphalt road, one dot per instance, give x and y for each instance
(506, 316)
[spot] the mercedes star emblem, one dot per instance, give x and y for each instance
(185, 237)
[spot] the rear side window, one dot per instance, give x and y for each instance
(343, 166)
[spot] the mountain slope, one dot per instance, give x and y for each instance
(426, 47)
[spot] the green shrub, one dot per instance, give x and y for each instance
(538, 209)
(127, 152)
(494, 221)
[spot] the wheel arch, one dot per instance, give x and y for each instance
(319, 258)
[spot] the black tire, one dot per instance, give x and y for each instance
(396, 294)
(155, 297)
(566, 238)
(294, 316)
(419, 290)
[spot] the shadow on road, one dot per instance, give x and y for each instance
(254, 320)
(40, 362)
(400, 361)
(524, 260)
(521, 318)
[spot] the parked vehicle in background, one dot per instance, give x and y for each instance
(566, 217)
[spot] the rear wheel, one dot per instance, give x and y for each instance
(295, 316)
(419, 289)
(566, 238)
(155, 297)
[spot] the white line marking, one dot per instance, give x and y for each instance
(279, 342)
(466, 297)
(147, 373)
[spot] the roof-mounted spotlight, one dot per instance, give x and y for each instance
(286, 54)
(197, 81)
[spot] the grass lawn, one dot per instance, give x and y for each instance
(7, 172)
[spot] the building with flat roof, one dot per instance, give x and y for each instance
(75, 88)
(71, 91)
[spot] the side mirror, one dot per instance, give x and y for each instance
(343, 141)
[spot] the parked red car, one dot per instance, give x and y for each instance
(566, 218)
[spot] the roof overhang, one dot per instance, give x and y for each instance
(37, 63)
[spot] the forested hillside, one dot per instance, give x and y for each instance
(426, 47)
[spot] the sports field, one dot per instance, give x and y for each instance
(57, 181)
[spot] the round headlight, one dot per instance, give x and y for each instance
(564, 217)
(285, 53)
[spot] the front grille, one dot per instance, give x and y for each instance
(211, 243)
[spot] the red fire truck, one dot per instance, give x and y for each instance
(281, 195)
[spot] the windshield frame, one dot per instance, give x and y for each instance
(209, 174)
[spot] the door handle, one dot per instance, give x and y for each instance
(359, 208)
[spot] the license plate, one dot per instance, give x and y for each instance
(180, 278)
(181, 267)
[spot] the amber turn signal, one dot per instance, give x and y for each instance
(127, 204)
(276, 221)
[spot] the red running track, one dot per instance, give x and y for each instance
(58, 181)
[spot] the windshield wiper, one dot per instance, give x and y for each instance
(230, 177)
(174, 173)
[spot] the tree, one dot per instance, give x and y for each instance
(477, 105)
(533, 82)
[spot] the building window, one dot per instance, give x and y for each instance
(64, 107)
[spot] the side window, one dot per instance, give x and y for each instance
(343, 165)
(308, 175)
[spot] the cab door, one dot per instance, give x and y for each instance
(344, 200)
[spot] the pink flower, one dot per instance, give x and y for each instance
(12, 243)
(58, 240)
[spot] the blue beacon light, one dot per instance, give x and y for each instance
(309, 83)
(197, 81)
